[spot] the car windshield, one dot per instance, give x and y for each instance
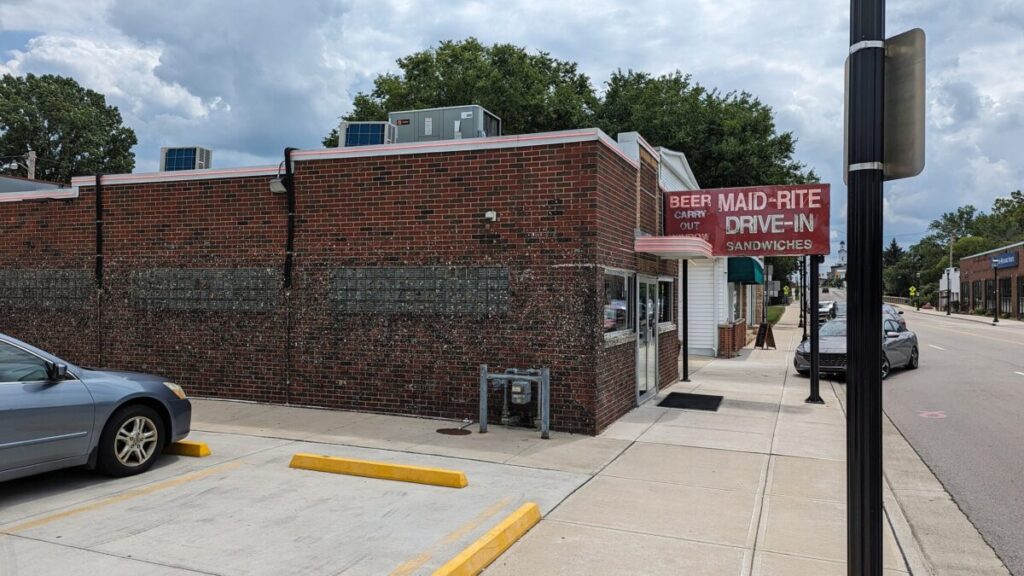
(832, 328)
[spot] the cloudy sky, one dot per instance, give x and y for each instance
(249, 77)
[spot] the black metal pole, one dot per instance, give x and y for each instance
(803, 296)
(289, 250)
(686, 321)
(949, 295)
(995, 296)
(864, 319)
(815, 397)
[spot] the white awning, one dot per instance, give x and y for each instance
(678, 247)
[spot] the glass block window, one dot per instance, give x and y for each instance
(44, 288)
(426, 290)
(229, 289)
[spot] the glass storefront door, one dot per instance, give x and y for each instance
(647, 338)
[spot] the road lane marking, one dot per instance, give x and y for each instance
(1021, 373)
(129, 495)
(931, 413)
(962, 333)
(937, 347)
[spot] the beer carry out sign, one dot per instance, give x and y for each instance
(753, 221)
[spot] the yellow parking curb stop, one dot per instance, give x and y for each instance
(382, 470)
(188, 448)
(490, 546)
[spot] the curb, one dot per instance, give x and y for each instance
(381, 470)
(494, 543)
(188, 448)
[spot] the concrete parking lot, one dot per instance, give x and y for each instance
(244, 511)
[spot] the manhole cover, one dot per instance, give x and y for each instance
(454, 431)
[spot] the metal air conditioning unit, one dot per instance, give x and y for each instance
(365, 133)
(185, 158)
(452, 123)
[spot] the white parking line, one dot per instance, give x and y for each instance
(1021, 373)
(937, 347)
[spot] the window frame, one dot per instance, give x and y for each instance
(670, 301)
(30, 353)
(629, 279)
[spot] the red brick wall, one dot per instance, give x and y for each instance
(619, 199)
(199, 224)
(428, 210)
(564, 211)
(44, 236)
(731, 338)
(980, 269)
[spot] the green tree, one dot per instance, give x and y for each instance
(956, 224)
(729, 139)
(530, 92)
(892, 254)
(71, 129)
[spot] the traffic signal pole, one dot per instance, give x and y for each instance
(864, 322)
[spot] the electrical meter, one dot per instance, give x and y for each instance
(521, 391)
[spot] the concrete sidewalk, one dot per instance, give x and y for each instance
(757, 487)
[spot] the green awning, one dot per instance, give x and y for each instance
(745, 270)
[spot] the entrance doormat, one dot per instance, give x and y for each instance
(691, 401)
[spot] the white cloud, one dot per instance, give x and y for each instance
(249, 78)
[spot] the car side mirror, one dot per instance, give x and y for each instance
(56, 371)
(892, 334)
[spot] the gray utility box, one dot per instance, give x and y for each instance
(452, 123)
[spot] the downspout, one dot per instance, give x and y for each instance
(98, 271)
(289, 184)
(289, 254)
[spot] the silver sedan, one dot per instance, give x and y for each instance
(54, 415)
(899, 348)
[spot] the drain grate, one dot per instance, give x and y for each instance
(454, 431)
(691, 401)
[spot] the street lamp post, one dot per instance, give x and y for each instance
(949, 294)
(949, 271)
(815, 397)
(866, 146)
(917, 299)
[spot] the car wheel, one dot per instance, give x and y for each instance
(804, 373)
(914, 359)
(885, 367)
(131, 441)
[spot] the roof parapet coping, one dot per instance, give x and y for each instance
(490, 143)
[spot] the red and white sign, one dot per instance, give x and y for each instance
(753, 221)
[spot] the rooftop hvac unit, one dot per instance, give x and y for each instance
(185, 158)
(365, 133)
(452, 123)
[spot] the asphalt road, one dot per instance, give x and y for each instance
(963, 411)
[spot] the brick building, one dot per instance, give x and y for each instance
(412, 265)
(982, 286)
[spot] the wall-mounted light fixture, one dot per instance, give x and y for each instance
(491, 216)
(277, 184)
